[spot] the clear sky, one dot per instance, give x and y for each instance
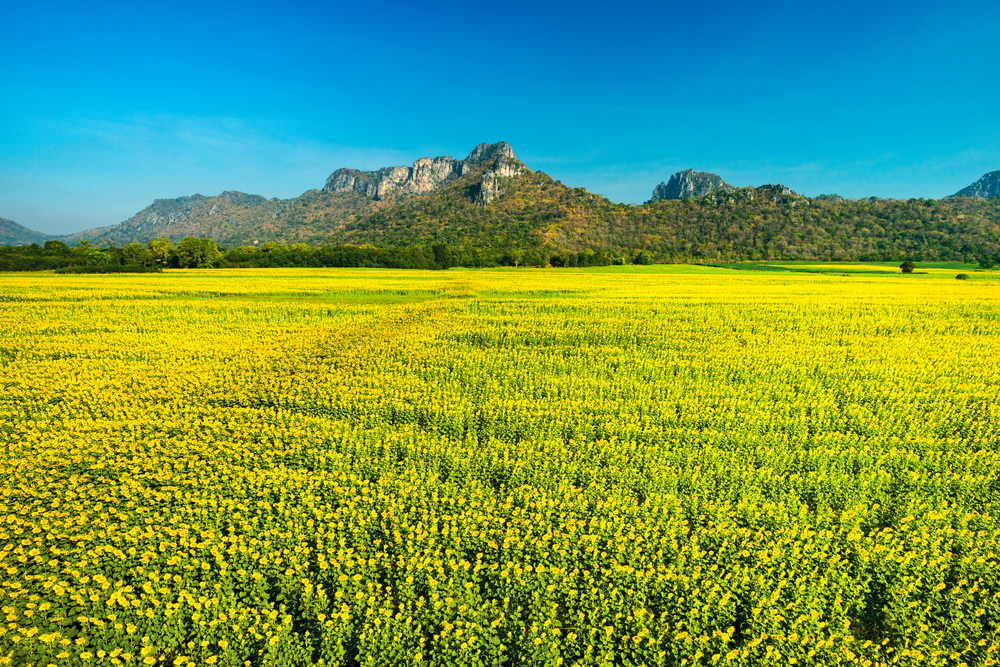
(107, 106)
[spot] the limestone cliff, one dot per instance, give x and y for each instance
(690, 184)
(494, 161)
(985, 188)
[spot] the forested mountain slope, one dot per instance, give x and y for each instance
(236, 218)
(768, 222)
(12, 233)
(490, 202)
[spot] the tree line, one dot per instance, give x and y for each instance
(199, 253)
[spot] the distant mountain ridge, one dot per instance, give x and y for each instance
(985, 188)
(217, 217)
(237, 218)
(489, 202)
(12, 233)
(540, 215)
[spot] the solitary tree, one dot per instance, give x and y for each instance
(907, 266)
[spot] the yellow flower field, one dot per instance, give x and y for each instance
(620, 466)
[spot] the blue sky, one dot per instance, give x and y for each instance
(107, 106)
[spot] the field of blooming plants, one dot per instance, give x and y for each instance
(621, 466)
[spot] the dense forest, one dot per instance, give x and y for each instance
(540, 215)
(193, 252)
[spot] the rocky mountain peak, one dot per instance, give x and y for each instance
(484, 152)
(428, 174)
(501, 163)
(986, 187)
(690, 184)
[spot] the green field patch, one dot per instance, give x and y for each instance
(933, 269)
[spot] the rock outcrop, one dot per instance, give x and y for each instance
(767, 192)
(495, 161)
(501, 164)
(985, 188)
(690, 184)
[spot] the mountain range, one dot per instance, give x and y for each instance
(491, 200)
(12, 233)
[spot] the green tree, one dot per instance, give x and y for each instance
(271, 246)
(195, 253)
(161, 250)
(56, 247)
(443, 257)
(907, 266)
(136, 253)
(643, 257)
(512, 257)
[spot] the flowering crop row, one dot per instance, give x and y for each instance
(694, 467)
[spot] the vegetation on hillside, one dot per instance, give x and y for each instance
(537, 218)
(540, 214)
(799, 228)
(12, 233)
